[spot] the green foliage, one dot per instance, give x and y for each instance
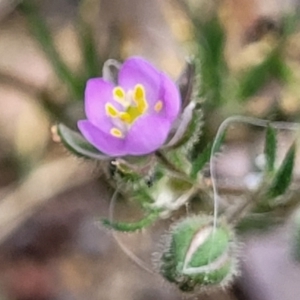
(256, 77)
(91, 59)
(261, 222)
(193, 132)
(283, 176)
(204, 156)
(132, 227)
(210, 38)
(270, 149)
(196, 255)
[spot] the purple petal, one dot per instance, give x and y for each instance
(138, 71)
(97, 93)
(103, 141)
(147, 135)
(171, 98)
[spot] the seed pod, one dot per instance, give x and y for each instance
(197, 255)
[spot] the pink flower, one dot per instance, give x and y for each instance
(134, 116)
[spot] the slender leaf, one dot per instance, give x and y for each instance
(255, 78)
(211, 40)
(131, 227)
(76, 143)
(283, 176)
(270, 149)
(89, 50)
(203, 158)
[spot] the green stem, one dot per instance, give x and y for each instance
(171, 167)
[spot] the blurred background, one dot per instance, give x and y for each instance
(52, 245)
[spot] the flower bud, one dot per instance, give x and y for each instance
(197, 255)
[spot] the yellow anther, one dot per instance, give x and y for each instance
(158, 106)
(119, 93)
(139, 92)
(134, 103)
(120, 96)
(140, 99)
(111, 111)
(116, 132)
(125, 117)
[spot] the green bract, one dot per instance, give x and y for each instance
(198, 255)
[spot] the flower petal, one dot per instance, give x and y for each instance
(170, 96)
(103, 141)
(97, 93)
(135, 71)
(147, 135)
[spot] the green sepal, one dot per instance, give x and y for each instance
(142, 196)
(187, 134)
(131, 226)
(79, 146)
(270, 149)
(203, 158)
(193, 131)
(125, 172)
(283, 176)
(187, 83)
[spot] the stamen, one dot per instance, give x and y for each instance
(119, 92)
(139, 92)
(125, 117)
(120, 96)
(116, 132)
(111, 111)
(134, 103)
(158, 106)
(140, 99)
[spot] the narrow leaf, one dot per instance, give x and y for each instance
(210, 38)
(283, 176)
(255, 78)
(203, 158)
(76, 143)
(270, 149)
(131, 227)
(89, 49)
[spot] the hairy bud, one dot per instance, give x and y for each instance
(197, 255)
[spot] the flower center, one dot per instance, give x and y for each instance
(134, 104)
